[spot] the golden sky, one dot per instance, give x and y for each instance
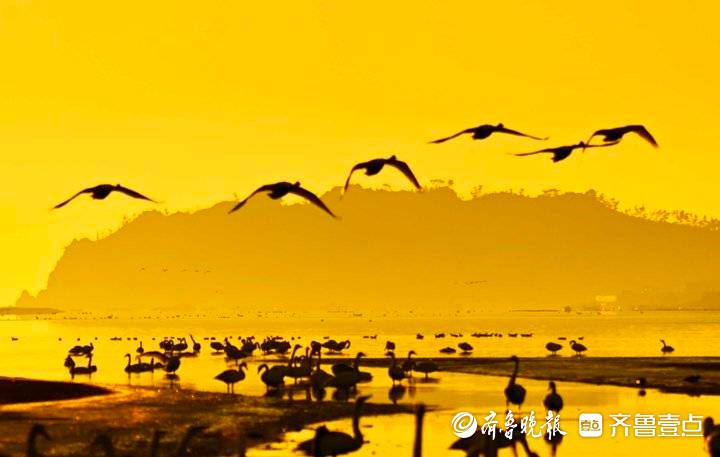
(192, 102)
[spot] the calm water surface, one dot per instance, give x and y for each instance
(38, 353)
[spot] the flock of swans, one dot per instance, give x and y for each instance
(372, 167)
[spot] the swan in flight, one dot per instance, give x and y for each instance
(618, 133)
(483, 131)
(281, 189)
(101, 191)
(374, 167)
(563, 152)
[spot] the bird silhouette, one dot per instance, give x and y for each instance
(230, 377)
(374, 167)
(666, 349)
(563, 152)
(711, 434)
(553, 347)
(395, 371)
(553, 401)
(281, 189)
(425, 366)
(335, 443)
(483, 131)
(577, 347)
(514, 392)
(618, 133)
(101, 191)
(35, 431)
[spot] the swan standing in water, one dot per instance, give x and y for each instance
(230, 377)
(666, 349)
(553, 347)
(336, 443)
(514, 392)
(553, 401)
(272, 377)
(35, 431)
(577, 347)
(408, 365)
(425, 366)
(395, 372)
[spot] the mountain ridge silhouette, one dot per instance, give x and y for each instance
(391, 250)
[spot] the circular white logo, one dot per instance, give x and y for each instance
(463, 424)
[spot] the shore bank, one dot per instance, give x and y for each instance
(130, 419)
(666, 374)
(19, 390)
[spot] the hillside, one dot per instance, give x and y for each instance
(399, 250)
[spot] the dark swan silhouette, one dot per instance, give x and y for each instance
(281, 189)
(330, 443)
(483, 131)
(101, 191)
(563, 152)
(373, 167)
(617, 133)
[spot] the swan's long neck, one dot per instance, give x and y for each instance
(356, 424)
(394, 362)
(155, 444)
(292, 357)
(31, 449)
(356, 365)
(129, 359)
(515, 372)
(417, 447)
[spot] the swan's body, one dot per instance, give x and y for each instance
(553, 401)
(514, 392)
(483, 131)
(102, 191)
(563, 152)
(280, 189)
(231, 377)
(374, 167)
(329, 443)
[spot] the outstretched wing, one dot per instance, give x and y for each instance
(643, 132)
(541, 151)
(603, 145)
(405, 169)
(515, 132)
(442, 140)
(265, 188)
(355, 168)
(132, 193)
(312, 198)
(84, 191)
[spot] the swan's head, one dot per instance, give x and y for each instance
(708, 425)
(243, 366)
(360, 354)
(39, 430)
(500, 125)
(411, 353)
(551, 385)
(297, 184)
(514, 359)
(260, 368)
(392, 157)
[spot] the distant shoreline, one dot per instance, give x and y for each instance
(20, 311)
(666, 374)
